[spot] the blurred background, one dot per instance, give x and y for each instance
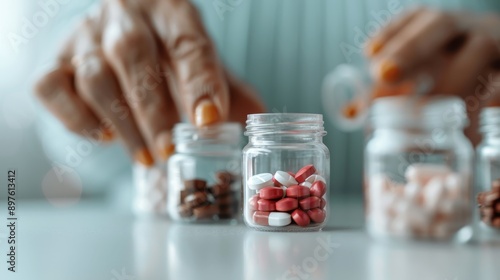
(283, 48)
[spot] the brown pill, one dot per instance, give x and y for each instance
(196, 199)
(185, 211)
(205, 211)
(195, 185)
(491, 198)
(220, 189)
(224, 177)
(183, 195)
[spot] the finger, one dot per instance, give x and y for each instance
(377, 43)
(422, 38)
(461, 74)
(192, 56)
(132, 52)
(56, 92)
(243, 100)
(98, 87)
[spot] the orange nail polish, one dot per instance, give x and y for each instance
(144, 156)
(374, 48)
(206, 113)
(389, 71)
(167, 152)
(107, 135)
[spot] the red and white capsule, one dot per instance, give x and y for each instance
(273, 219)
(284, 178)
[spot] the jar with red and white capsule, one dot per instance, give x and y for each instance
(488, 175)
(286, 170)
(418, 170)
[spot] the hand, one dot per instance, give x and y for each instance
(133, 67)
(459, 51)
(455, 48)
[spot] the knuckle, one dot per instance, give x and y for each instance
(92, 76)
(46, 88)
(132, 46)
(486, 43)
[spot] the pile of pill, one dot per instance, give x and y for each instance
(200, 201)
(433, 203)
(489, 205)
(285, 198)
(150, 190)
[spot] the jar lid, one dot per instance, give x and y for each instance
(285, 123)
(408, 111)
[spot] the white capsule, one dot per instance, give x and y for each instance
(421, 173)
(259, 181)
(433, 193)
(277, 219)
(284, 178)
(412, 192)
(315, 177)
(454, 186)
(306, 184)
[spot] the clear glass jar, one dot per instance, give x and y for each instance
(418, 170)
(488, 173)
(204, 174)
(286, 170)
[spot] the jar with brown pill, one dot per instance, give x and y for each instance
(204, 174)
(418, 170)
(488, 175)
(286, 171)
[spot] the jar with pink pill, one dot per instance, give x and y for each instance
(286, 170)
(418, 170)
(488, 175)
(204, 174)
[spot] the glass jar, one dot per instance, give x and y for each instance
(204, 174)
(488, 172)
(418, 169)
(286, 170)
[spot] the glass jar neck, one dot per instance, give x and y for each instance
(218, 138)
(490, 123)
(285, 128)
(411, 114)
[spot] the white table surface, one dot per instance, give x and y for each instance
(93, 240)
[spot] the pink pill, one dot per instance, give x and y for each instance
(297, 191)
(287, 204)
(317, 215)
(252, 202)
(322, 203)
(301, 218)
(318, 189)
(271, 193)
(266, 205)
(309, 202)
(304, 172)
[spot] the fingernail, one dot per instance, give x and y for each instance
(144, 156)
(374, 48)
(167, 151)
(206, 113)
(107, 135)
(389, 71)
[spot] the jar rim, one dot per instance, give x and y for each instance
(284, 123)
(230, 132)
(429, 112)
(490, 120)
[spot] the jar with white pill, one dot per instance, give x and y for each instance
(204, 174)
(418, 170)
(286, 170)
(488, 174)
(150, 190)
